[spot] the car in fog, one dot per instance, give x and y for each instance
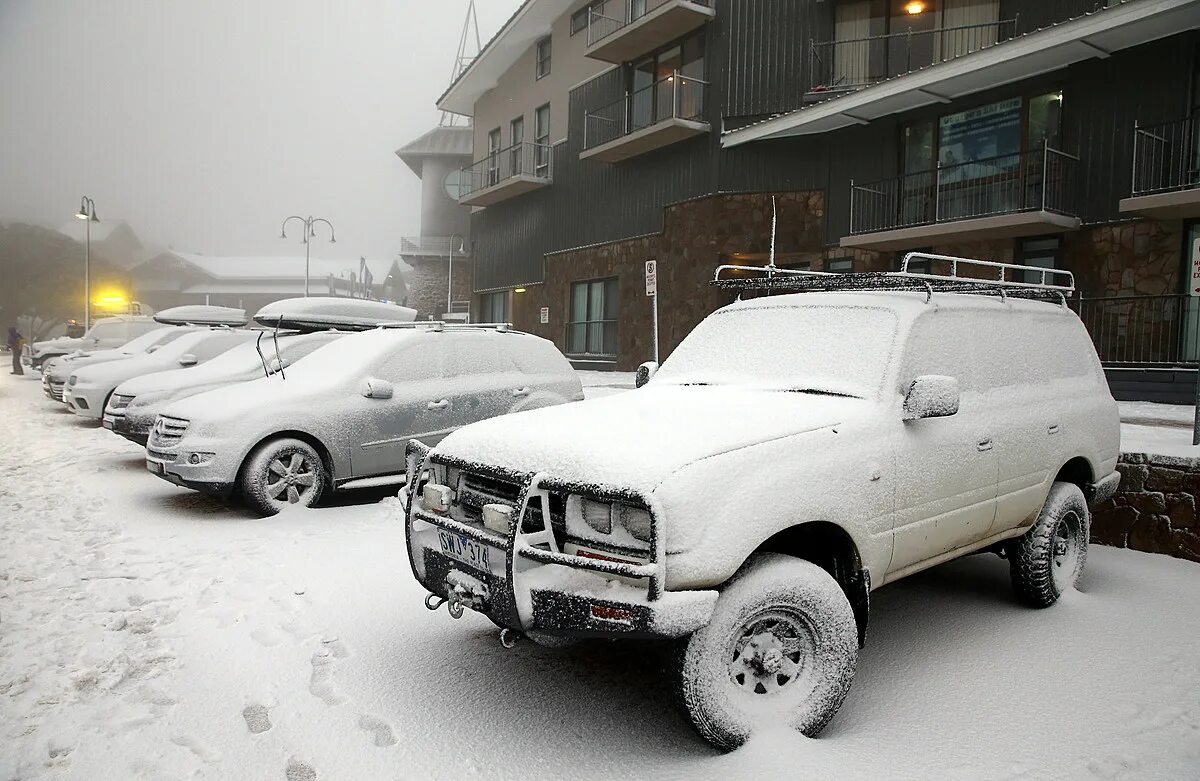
(345, 414)
(106, 333)
(89, 387)
(56, 371)
(793, 453)
(135, 404)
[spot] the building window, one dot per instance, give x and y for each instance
(1040, 252)
(580, 19)
(493, 163)
(656, 94)
(839, 265)
(516, 137)
(592, 329)
(541, 137)
(493, 307)
(543, 58)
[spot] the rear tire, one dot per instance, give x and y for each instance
(1048, 559)
(283, 473)
(781, 648)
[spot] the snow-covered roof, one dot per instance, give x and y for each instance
(439, 142)
(529, 23)
(275, 268)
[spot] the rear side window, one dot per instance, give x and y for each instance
(468, 353)
(536, 356)
(989, 350)
(215, 344)
(420, 361)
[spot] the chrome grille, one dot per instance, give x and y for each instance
(56, 390)
(158, 455)
(167, 431)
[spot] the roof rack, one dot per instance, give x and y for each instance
(442, 325)
(1053, 283)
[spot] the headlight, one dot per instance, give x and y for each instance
(436, 497)
(611, 518)
(635, 520)
(598, 515)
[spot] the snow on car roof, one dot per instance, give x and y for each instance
(318, 312)
(903, 302)
(201, 314)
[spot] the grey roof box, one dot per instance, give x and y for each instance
(318, 313)
(201, 314)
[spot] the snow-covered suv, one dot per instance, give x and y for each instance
(793, 453)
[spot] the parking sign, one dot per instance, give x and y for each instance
(651, 278)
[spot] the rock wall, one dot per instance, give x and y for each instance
(427, 285)
(1154, 509)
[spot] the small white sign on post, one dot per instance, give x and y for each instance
(652, 292)
(1194, 282)
(544, 315)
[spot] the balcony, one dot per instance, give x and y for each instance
(1166, 170)
(1026, 194)
(666, 112)
(507, 173)
(432, 246)
(641, 26)
(855, 82)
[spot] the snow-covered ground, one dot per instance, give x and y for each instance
(1161, 429)
(149, 632)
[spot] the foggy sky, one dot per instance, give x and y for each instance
(205, 122)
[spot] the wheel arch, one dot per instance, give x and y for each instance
(831, 548)
(303, 436)
(1078, 471)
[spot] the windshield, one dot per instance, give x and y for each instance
(245, 358)
(842, 350)
(157, 337)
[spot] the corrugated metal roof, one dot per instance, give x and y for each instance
(439, 142)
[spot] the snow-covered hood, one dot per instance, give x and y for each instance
(117, 371)
(61, 368)
(206, 374)
(263, 398)
(635, 440)
(60, 344)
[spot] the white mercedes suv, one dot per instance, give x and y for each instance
(794, 453)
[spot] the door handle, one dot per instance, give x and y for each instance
(441, 404)
(1053, 429)
(520, 392)
(984, 445)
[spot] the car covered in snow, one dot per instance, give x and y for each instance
(106, 333)
(343, 416)
(56, 371)
(793, 453)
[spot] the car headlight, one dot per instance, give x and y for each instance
(598, 515)
(636, 521)
(612, 518)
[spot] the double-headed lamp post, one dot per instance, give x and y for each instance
(87, 213)
(310, 232)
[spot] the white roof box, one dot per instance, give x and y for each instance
(317, 313)
(202, 314)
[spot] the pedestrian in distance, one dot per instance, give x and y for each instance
(16, 343)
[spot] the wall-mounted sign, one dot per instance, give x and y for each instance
(651, 278)
(544, 315)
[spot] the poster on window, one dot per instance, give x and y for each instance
(980, 142)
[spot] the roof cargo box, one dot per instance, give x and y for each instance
(202, 314)
(317, 313)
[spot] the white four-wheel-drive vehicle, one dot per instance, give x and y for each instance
(105, 333)
(795, 452)
(343, 416)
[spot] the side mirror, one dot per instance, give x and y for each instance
(187, 359)
(377, 389)
(644, 373)
(931, 396)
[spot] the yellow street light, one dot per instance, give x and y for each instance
(913, 8)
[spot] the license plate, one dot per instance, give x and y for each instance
(466, 550)
(156, 467)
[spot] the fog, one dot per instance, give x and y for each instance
(204, 124)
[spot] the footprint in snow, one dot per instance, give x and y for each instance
(321, 684)
(299, 771)
(257, 718)
(380, 731)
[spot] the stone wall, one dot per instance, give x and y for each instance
(427, 285)
(1154, 509)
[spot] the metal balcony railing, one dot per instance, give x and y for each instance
(523, 159)
(1039, 180)
(603, 22)
(674, 97)
(1152, 331)
(1166, 156)
(432, 245)
(847, 64)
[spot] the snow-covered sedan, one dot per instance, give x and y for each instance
(792, 454)
(56, 371)
(345, 414)
(88, 388)
(106, 333)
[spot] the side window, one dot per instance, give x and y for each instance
(413, 362)
(949, 343)
(216, 344)
(474, 354)
(534, 357)
(542, 56)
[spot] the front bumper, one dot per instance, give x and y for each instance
(168, 467)
(134, 427)
(524, 582)
(84, 401)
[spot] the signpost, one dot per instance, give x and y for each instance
(544, 315)
(1193, 305)
(652, 292)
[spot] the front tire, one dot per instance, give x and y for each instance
(283, 473)
(781, 648)
(1048, 559)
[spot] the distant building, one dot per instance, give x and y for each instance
(112, 240)
(173, 278)
(438, 158)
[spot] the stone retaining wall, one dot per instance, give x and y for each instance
(1154, 509)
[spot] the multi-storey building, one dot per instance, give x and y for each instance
(1044, 132)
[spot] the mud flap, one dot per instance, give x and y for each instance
(858, 591)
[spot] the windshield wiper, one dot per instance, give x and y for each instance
(261, 357)
(823, 392)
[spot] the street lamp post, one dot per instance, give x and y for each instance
(450, 273)
(310, 232)
(87, 213)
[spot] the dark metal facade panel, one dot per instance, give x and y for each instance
(765, 48)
